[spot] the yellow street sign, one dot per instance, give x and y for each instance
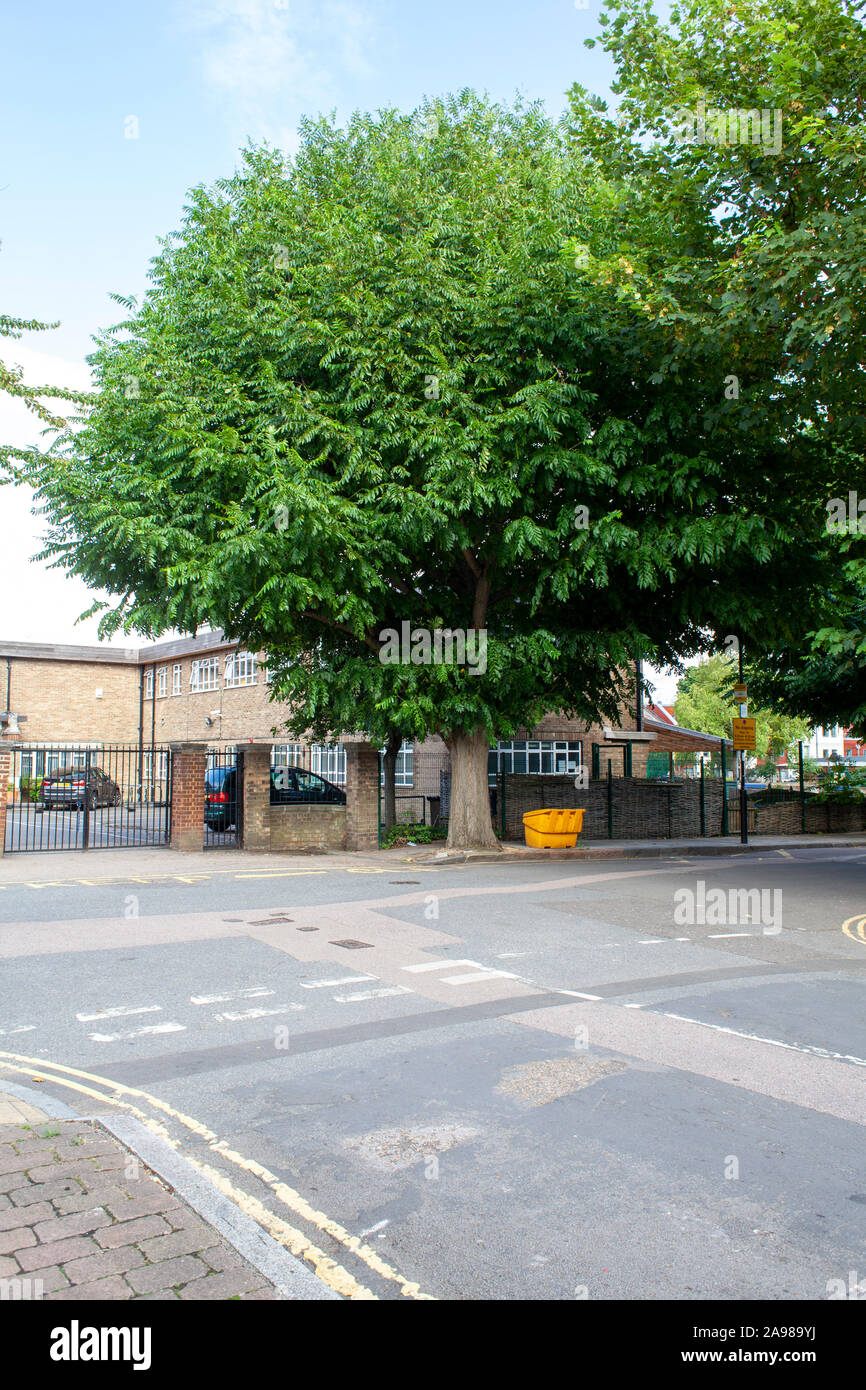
(744, 735)
(740, 693)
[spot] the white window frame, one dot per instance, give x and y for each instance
(404, 773)
(161, 682)
(148, 684)
(177, 678)
(563, 756)
(329, 761)
(240, 669)
(287, 755)
(204, 674)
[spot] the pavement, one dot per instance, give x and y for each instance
(514, 1078)
(83, 1217)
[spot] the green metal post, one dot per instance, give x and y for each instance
(380, 800)
(671, 766)
(628, 762)
(802, 789)
(596, 762)
(609, 799)
(703, 802)
(724, 788)
(502, 778)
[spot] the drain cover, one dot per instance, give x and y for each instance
(306, 928)
(351, 945)
(270, 921)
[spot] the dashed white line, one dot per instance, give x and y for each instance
(576, 994)
(121, 1012)
(21, 1028)
(138, 1032)
(332, 984)
(478, 976)
(774, 1042)
(372, 994)
(252, 992)
(257, 1013)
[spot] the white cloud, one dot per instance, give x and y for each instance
(268, 62)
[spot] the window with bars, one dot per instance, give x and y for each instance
(404, 775)
(241, 669)
(549, 757)
(204, 674)
(176, 678)
(329, 760)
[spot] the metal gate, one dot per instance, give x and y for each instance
(223, 801)
(88, 797)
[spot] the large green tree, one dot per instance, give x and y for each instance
(369, 389)
(754, 256)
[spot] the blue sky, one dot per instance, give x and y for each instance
(113, 112)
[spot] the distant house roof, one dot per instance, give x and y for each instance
(663, 713)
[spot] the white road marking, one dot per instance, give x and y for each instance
(653, 941)
(371, 1230)
(439, 965)
(121, 1012)
(511, 955)
(576, 994)
(479, 971)
(718, 935)
(372, 994)
(138, 1032)
(343, 980)
(257, 1013)
(253, 992)
(21, 1028)
(478, 975)
(774, 1042)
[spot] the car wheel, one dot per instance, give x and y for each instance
(117, 799)
(92, 802)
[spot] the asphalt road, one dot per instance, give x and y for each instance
(537, 1081)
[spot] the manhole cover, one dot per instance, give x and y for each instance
(271, 921)
(351, 945)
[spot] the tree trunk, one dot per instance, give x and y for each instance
(389, 795)
(469, 823)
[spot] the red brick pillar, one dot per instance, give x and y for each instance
(256, 820)
(362, 796)
(5, 776)
(188, 769)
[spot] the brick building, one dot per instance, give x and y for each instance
(203, 689)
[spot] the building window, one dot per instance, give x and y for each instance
(550, 758)
(162, 682)
(286, 755)
(176, 673)
(204, 674)
(329, 760)
(404, 775)
(241, 669)
(148, 684)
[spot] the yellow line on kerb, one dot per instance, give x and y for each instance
(855, 927)
(285, 1194)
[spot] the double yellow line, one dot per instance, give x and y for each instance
(123, 1097)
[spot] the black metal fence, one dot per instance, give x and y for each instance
(85, 797)
(223, 799)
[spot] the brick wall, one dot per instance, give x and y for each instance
(60, 701)
(307, 827)
(189, 767)
(641, 810)
(256, 797)
(362, 797)
(5, 791)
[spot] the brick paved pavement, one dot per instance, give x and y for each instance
(83, 1218)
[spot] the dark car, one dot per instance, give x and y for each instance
(290, 786)
(295, 785)
(73, 787)
(220, 798)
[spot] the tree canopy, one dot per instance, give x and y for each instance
(406, 379)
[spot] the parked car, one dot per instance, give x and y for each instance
(220, 798)
(289, 786)
(72, 787)
(295, 785)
